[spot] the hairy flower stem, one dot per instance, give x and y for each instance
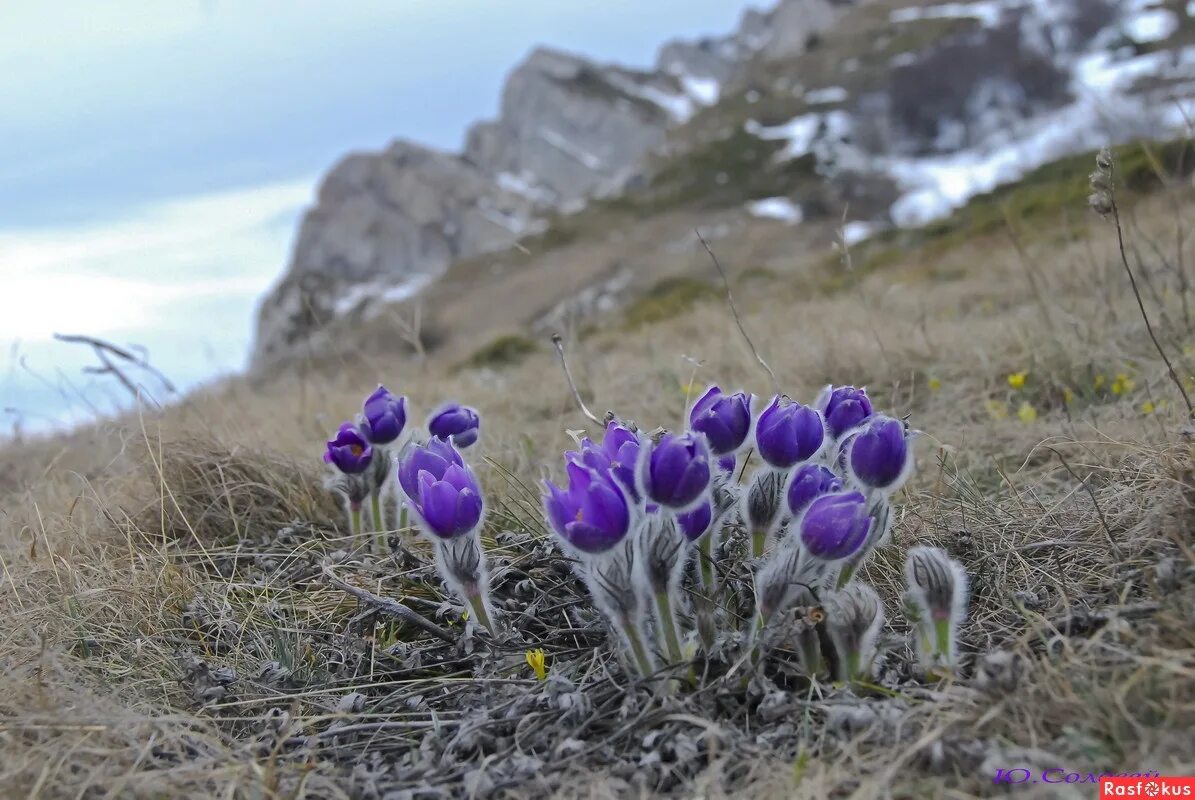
(355, 519)
(705, 605)
(844, 577)
(402, 516)
(757, 632)
(758, 540)
(638, 652)
(379, 523)
(668, 626)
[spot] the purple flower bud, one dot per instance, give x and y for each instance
(835, 526)
(789, 433)
(592, 514)
(385, 416)
(675, 472)
(441, 488)
(461, 423)
(808, 483)
(694, 524)
(617, 455)
(880, 454)
(725, 419)
(845, 408)
(727, 464)
(348, 451)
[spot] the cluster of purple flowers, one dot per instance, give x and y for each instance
(638, 509)
(435, 483)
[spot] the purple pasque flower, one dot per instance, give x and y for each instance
(696, 523)
(788, 433)
(617, 454)
(835, 525)
(726, 464)
(462, 423)
(384, 416)
(845, 407)
(725, 419)
(349, 451)
(881, 456)
(441, 488)
(592, 514)
(675, 471)
(809, 482)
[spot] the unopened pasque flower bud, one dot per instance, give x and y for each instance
(675, 472)
(835, 525)
(938, 592)
(854, 617)
(724, 420)
(384, 416)
(809, 482)
(881, 454)
(461, 423)
(845, 408)
(788, 433)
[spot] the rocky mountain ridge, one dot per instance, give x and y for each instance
(901, 110)
(568, 129)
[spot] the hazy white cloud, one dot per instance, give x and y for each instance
(128, 274)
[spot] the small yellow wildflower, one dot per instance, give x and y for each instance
(535, 660)
(1017, 380)
(1099, 382)
(1122, 385)
(1068, 396)
(934, 384)
(997, 409)
(1027, 413)
(1148, 407)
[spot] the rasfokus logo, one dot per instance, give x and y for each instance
(1160, 787)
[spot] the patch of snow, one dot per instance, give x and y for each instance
(905, 59)
(510, 222)
(678, 106)
(855, 232)
(988, 12)
(937, 185)
(522, 184)
(705, 90)
(752, 96)
(579, 154)
(778, 208)
(831, 94)
(1191, 8)
(1152, 26)
(378, 293)
(803, 132)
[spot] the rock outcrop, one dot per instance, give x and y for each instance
(384, 224)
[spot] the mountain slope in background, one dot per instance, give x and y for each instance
(900, 111)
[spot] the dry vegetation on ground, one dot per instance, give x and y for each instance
(170, 628)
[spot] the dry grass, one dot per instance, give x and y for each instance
(139, 560)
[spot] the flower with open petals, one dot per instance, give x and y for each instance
(675, 472)
(835, 525)
(384, 416)
(617, 454)
(845, 407)
(349, 451)
(881, 455)
(809, 482)
(592, 514)
(725, 419)
(788, 433)
(441, 488)
(461, 423)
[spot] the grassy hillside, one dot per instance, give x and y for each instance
(171, 627)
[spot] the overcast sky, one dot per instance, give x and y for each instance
(155, 156)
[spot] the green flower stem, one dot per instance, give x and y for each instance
(757, 632)
(758, 540)
(668, 626)
(477, 603)
(705, 563)
(844, 577)
(942, 637)
(638, 651)
(402, 516)
(852, 662)
(379, 524)
(355, 519)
